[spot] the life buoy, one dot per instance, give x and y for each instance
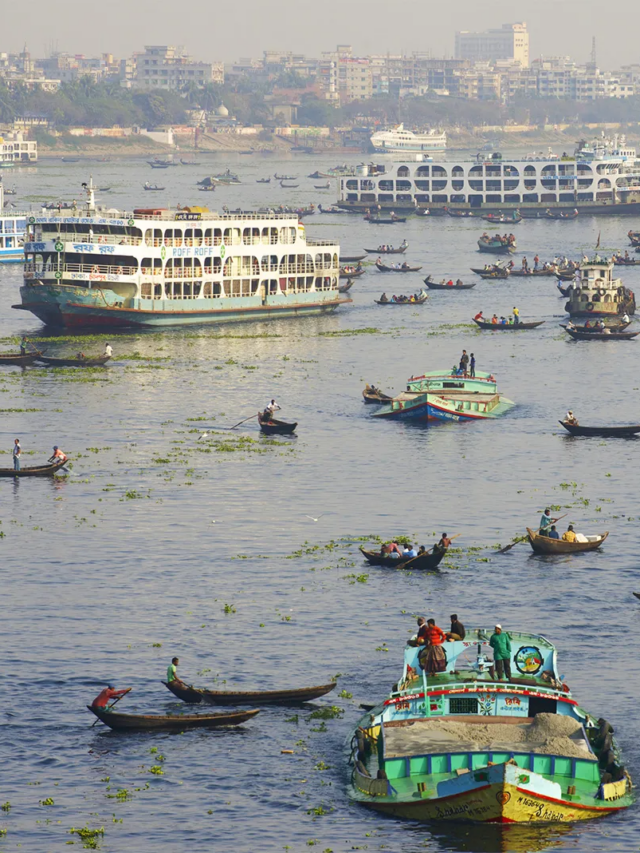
(95, 269)
(589, 306)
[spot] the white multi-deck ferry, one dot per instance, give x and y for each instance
(404, 141)
(599, 178)
(12, 233)
(161, 267)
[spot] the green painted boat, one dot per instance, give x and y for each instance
(460, 744)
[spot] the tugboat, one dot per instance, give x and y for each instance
(461, 745)
(598, 293)
(448, 396)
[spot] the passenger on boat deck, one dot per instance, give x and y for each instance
(458, 282)
(536, 262)
(393, 549)
(464, 361)
(384, 298)
(552, 532)
(457, 631)
(421, 550)
(571, 326)
(503, 321)
(172, 675)
(516, 315)
(409, 551)
(421, 637)
(546, 520)
(587, 325)
(479, 316)
(472, 366)
(570, 535)
(109, 693)
(494, 319)
(501, 645)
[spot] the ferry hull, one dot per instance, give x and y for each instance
(441, 208)
(501, 793)
(11, 256)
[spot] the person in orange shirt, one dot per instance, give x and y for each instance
(433, 658)
(58, 455)
(109, 693)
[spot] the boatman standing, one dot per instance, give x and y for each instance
(108, 350)
(102, 699)
(516, 315)
(272, 407)
(17, 453)
(546, 520)
(501, 645)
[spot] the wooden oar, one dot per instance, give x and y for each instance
(243, 422)
(524, 538)
(115, 702)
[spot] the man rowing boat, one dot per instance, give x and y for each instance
(102, 699)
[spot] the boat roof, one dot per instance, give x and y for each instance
(447, 374)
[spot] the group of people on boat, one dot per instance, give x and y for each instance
(548, 525)
(408, 552)
(502, 239)
(387, 248)
(350, 269)
(513, 319)
(451, 284)
(403, 266)
(415, 297)
(466, 367)
(618, 258)
(16, 452)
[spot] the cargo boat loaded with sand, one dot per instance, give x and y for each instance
(92, 267)
(483, 750)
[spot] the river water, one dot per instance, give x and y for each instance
(162, 543)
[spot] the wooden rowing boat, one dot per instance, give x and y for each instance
(74, 362)
(274, 427)
(544, 545)
(403, 268)
(432, 285)
(34, 470)
(501, 219)
(415, 302)
(428, 561)
(604, 431)
(351, 274)
(173, 722)
(343, 288)
(507, 327)
(491, 273)
(375, 396)
(195, 695)
(376, 220)
(615, 327)
(531, 273)
(601, 336)
(352, 259)
(497, 247)
(560, 216)
(12, 358)
(388, 251)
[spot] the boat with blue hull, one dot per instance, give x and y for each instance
(154, 267)
(460, 743)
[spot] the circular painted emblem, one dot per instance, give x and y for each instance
(131, 222)
(58, 246)
(163, 252)
(32, 220)
(58, 274)
(503, 797)
(528, 660)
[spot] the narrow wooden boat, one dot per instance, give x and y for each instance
(432, 285)
(343, 288)
(626, 262)
(561, 216)
(195, 695)
(491, 273)
(497, 247)
(601, 336)
(352, 259)
(74, 362)
(274, 427)
(378, 220)
(353, 274)
(375, 396)
(263, 181)
(388, 251)
(507, 327)
(322, 186)
(289, 186)
(420, 301)
(172, 722)
(544, 545)
(502, 219)
(403, 268)
(531, 273)
(603, 431)
(34, 470)
(154, 189)
(12, 358)
(615, 327)
(428, 561)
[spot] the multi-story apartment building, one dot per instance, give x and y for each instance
(170, 68)
(510, 42)
(343, 78)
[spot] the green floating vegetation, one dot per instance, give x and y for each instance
(331, 712)
(342, 333)
(89, 837)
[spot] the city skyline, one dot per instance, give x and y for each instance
(56, 26)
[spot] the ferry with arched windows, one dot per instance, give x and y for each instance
(160, 267)
(601, 177)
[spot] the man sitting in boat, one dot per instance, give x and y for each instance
(550, 532)
(58, 455)
(570, 419)
(569, 535)
(409, 551)
(102, 699)
(405, 266)
(172, 675)
(494, 319)
(391, 549)
(384, 298)
(479, 317)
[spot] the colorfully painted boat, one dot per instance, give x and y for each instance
(195, 695)
(169, 722)
(546, 545)
(598, 293)
(154, 267)
(602, 431)
(459, 745)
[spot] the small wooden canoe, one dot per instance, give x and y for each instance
(195, 695)
(428, 561)
(12, 358)
(603, 431)
(496, 247)
(405, 304)
(375, 396)
(502, 220)
(531, 273)
(351, 274)
(274, 427)
(432, 285)
(343, 288)
(601, 336)
(403, 268)
(74, 362)
(172, 722)
(376, 220)
(34, 470)
(389, 251)
(507, 327)
(491, 273)
(560, 216)
(352, 259)
(545, 545)
(615, 327)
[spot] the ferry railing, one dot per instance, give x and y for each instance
(98, 239)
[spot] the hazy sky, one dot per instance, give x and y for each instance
(214, 31)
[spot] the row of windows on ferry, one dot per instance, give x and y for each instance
(12, 226)
(491, 184)
(236, 287)
(508, 170)
(175, 236)
(489, 197)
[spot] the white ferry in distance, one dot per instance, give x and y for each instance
(12, 233)
(89, 267)
(401, 141)
(603, 177)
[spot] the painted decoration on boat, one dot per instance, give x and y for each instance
(528, 660)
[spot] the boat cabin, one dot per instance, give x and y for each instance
(598, 293)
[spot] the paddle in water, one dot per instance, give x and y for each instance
(115, 702)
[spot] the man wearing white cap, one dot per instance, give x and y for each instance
(501, 645)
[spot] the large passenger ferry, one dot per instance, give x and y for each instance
(404, 141)
(12, 233)
(599, 178)
(91, 267)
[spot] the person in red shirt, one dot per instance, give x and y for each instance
(479, 316)
(435, 636)
(109, 693)
(433, 658)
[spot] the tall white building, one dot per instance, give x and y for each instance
(168, 67)
(510, 42)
